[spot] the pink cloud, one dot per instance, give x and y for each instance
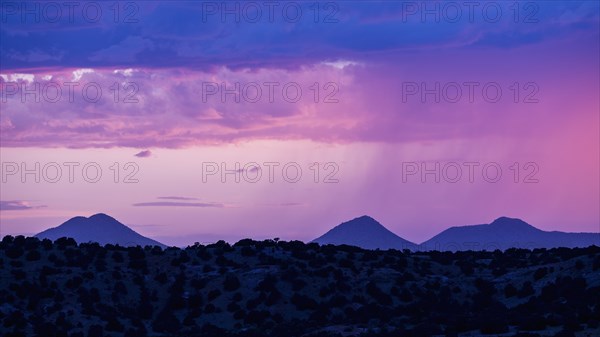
(177, 204)
(17, 205)
(144, 154)
(175, 108)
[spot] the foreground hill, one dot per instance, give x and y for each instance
(504, 233)
(287, 289)
(99, 228)
(364, 232)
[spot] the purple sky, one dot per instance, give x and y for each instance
(364, 129)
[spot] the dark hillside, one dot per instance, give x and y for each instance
(272, 288)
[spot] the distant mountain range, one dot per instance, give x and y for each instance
(99, 228)
(502, 233)
(364, 232)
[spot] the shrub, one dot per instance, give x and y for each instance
(117, 257)
(231, 283)
(95, 331)
(33, 255)
(247, 251)
(539, 273)
(510, 291)
(526, 290)
(14, 252)
(303, 302)
(63, 243)
(213, 294)
(166, 322)
(161, 278)
(376, 293)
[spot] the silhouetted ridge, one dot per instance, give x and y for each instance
(364, 232)
(102, 217)
(99, 228)
(507, 222)
(504, 233)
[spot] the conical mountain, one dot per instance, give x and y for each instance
(364, 232)
(99, 228)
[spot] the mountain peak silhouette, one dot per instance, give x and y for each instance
(364, 232)
(504, 233)
(504, 221)
(100, 228)
(102, 216)
(364, 221)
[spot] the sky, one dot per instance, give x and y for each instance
(194, 121)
